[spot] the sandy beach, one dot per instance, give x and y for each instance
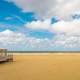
(42, 67)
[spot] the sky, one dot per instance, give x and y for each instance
(40, 25)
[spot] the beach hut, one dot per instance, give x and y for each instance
(4, 56)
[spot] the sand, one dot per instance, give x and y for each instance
(42, 67)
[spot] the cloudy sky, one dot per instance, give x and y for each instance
(40, 25)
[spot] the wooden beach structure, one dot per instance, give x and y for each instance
(4, 56)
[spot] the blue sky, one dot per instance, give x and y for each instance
(40, 25)
(13, 18)
(11, 15)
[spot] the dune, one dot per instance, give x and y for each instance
(42, 67)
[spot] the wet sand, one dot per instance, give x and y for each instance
(42, 67)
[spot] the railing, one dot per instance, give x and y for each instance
(3, 52)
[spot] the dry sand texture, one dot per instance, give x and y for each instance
(42, 67)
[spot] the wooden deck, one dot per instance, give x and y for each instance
(4, 56)
(2, 59)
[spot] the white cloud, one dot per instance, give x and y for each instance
(67, 32)
(67, 41)
(18, 41)
(15, 41)
(67, 27)
(65, 8)
(48, 8)
(42, 25)
(60, 27)
(8, 37)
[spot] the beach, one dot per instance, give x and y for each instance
(42, 67)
